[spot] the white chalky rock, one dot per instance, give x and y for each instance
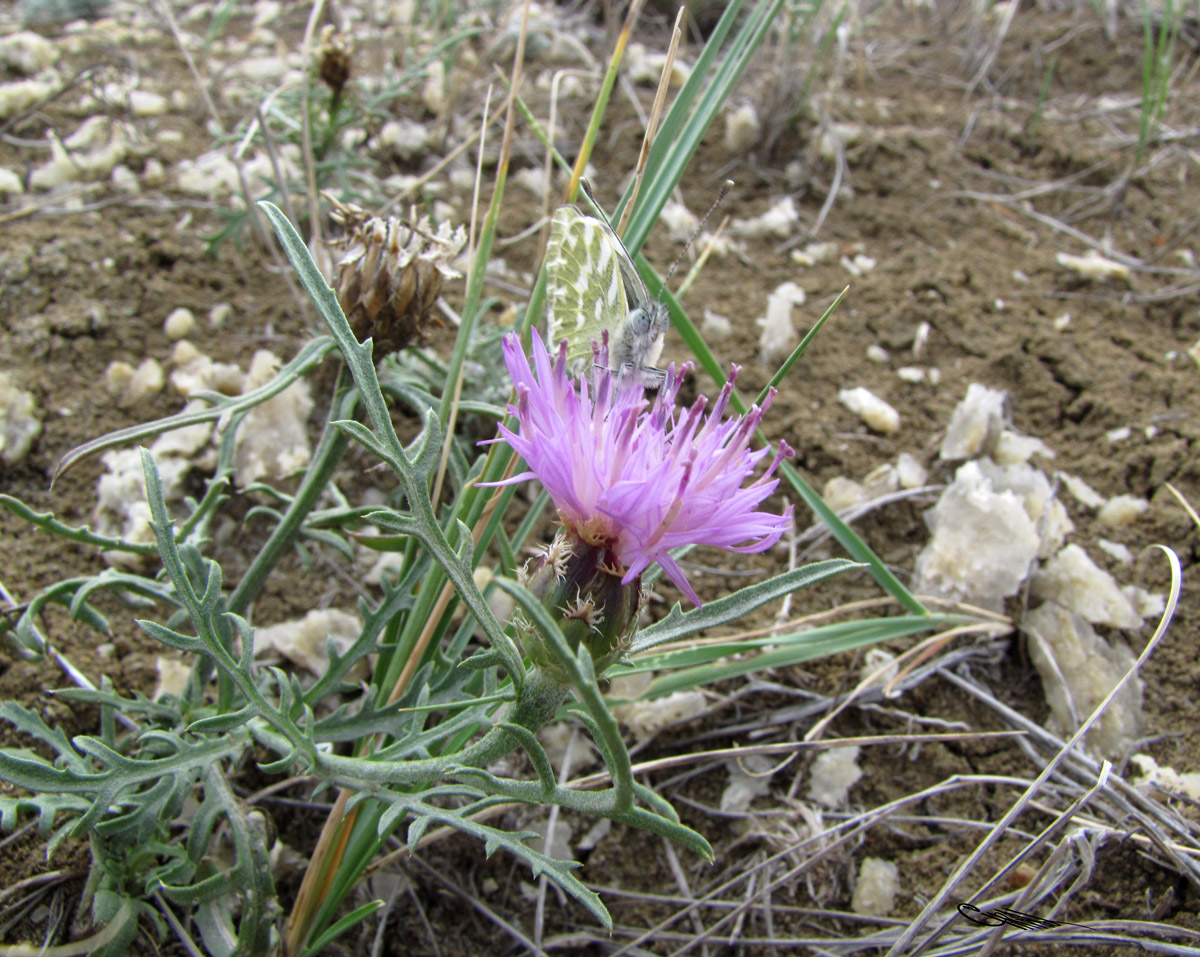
(218, 314)
(121, 510)
(1078, 669)
(10, 183)
(975, 424)
(1078, 584)
(983, 541)
(1013, 448)
(124, 180)
(189, 441)
(144, 381)
(117, 376)
(304, 641)
(433, 91)
(833, 774)
(1115, 550)
(406, 138)
(876, 413)
(876, 888)
(780, 220)
(882, 480)
(644, 719)
(196, 372)
(778, 334)
(26, 53)
(841, 493)
(147, 103)
(879, 665)
(1148, 774)
(749, 777)
(1083, 493)
(815, 253)
(1144, 603)
(173, 674)
(153, 173)
(20, 422)
(90, 153)
(1036, 494)
(680, 221)
(1092, 265)
(1121, 510)
(646, 66)
(742, 129)
(179, 324)
(910, 472)
(531, 179)
(18, 96)
(715, 326)
(273, 439)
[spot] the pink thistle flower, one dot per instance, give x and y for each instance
(638, 476)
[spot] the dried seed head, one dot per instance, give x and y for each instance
(334, 58)
(391, 272)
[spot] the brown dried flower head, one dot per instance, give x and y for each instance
(334, 59)
(391, 272)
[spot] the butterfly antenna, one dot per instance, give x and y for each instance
(725, 188)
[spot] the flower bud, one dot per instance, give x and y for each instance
(581, 586)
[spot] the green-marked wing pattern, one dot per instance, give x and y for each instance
(592, 286)
(585, 290)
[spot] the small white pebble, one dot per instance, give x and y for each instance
(833, 774)
(179, 323)
(1150, 431)
(841, 493)
(910, 472)
(147, 380)
(184, 352)
(218, 314)
(877, 353)
(934, 375)
(876, 413)
(1119, 435)
(1120, 510)
(10, 183)
(920, 339)
(125, 181)
(153, 173)
(117, 377)
(147, 103)
(876, 888)
(1092, 265)
(742, 129)
(911, 373)
(1083, 493)
(1115, 550)
(716, 326)
(1019, 275)
(1062, 321)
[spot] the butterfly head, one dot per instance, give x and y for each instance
(641, 338)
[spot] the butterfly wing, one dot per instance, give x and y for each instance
(587, 274)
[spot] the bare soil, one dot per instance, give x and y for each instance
(81, 288)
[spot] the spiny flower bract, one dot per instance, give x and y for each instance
(636, 475)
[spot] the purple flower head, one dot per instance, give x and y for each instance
(640, 476)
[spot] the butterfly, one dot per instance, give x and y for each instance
(592, 287)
